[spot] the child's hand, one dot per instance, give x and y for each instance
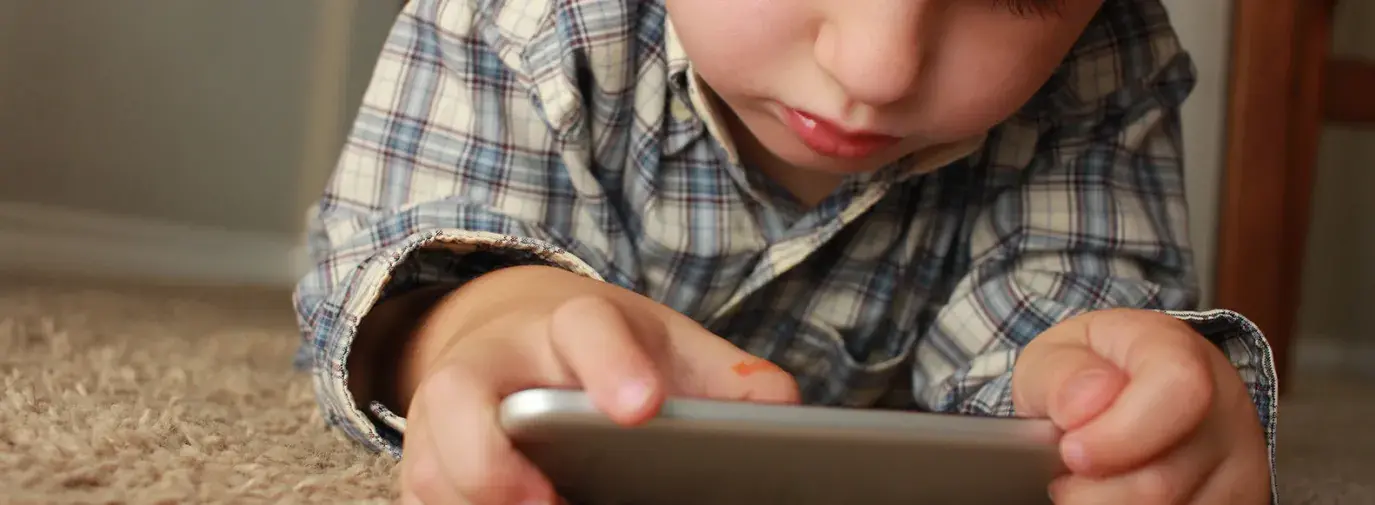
(626, 351)
(1152, 413)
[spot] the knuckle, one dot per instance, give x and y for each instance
(1119, 315)
(432, 389)
(477, 487)
(440, 387)
(424, 477)
(485, 487)
(575, 309)
(1152, 486)
(491, 478)
(1194, 380)
(1197, 375)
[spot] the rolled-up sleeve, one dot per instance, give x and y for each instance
(1097, 220)
(454, 167)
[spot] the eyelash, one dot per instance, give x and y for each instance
(1028, 8)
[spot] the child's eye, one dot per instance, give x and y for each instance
(1030, 7)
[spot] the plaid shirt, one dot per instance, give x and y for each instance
(576, 134)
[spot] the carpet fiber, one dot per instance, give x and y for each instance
(117, 394)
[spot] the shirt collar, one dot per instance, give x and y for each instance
(938, 156)
(689, 86)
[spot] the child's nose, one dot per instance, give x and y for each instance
(875, 54)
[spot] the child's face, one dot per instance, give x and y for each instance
(808, 78)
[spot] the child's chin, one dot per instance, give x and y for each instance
(813, 161)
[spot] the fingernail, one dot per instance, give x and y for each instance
(633, 395)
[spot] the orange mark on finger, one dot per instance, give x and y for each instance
(747, 368)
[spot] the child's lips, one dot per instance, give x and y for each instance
(829, 139)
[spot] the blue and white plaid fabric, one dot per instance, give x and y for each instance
(575, 134)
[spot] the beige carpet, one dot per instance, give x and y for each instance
(154, 395)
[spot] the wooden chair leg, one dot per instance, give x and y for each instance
(1280, 50)
(1313, 52)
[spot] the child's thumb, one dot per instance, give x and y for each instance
(1066, 382)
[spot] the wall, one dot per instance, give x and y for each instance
(1339, 274)
(1204, 27)
(207, 125)
(9, 21)
(216, 115)
(183, 109)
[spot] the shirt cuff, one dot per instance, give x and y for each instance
(1248, 350)
(434, 257)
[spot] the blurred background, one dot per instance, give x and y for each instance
(181, 139)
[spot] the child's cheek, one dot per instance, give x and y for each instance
(742, 40)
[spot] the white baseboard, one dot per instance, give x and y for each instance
(64, 241)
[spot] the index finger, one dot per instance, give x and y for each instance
(1169, 391)
(601, 349)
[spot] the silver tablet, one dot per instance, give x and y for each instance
(699, 452)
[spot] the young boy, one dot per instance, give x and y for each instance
(969, 206)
